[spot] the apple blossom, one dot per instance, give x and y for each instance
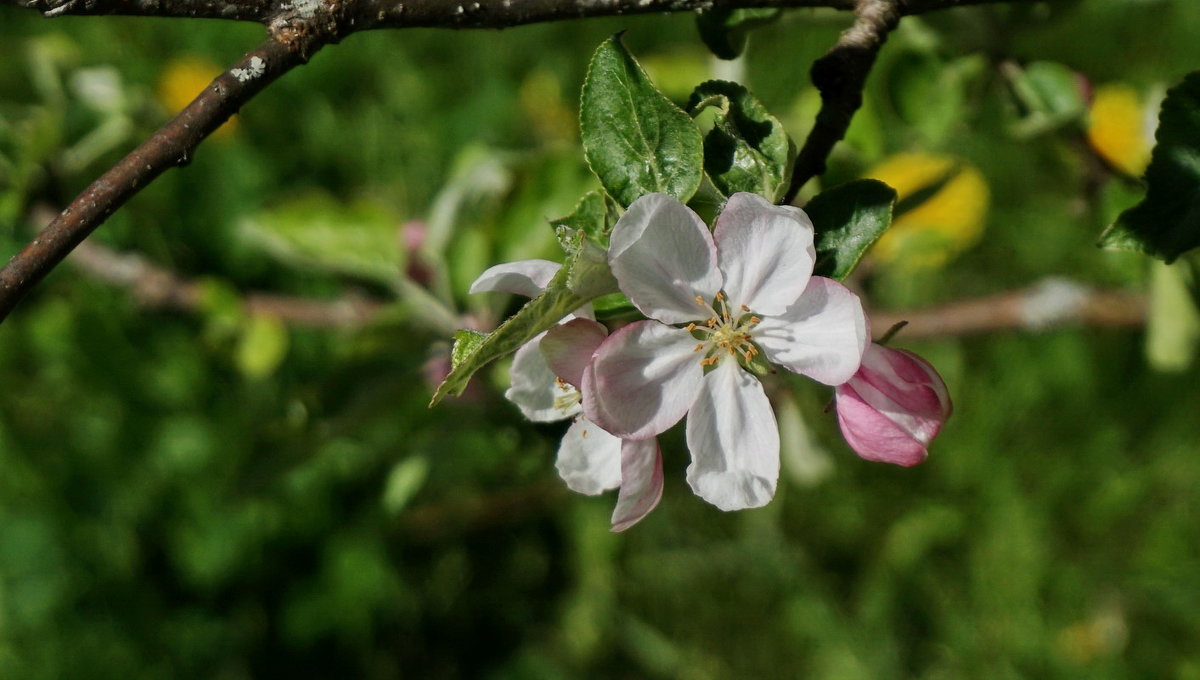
(893, 407)
(717, 300)
(589, 459)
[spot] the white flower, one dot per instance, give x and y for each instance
(719, 300)
(589, 459)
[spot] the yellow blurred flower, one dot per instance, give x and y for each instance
(1118, 128)
(939, 225)
(541, 101)
(185, 78)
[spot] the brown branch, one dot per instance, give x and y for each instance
(171, 145)
(840, 76)
(1051, 303)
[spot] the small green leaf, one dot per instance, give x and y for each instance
(584, 277)
(634, 138)
(1049, 95)
(358, 239)
(848, 219)
(725, 31)
(1167, 221)
(594, 216)
(403, 482)
(747, 148)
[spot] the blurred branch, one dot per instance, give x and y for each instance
(840, 77)
(244, 10)
(1050, 303)
(159, 288)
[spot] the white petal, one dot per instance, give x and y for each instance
(589, 459)
(534, 389)
(642, 379)
(765, 252)
(569, 346)
(641, 482)
(734, 441)
(823, 335)
(663, 257)
(524, 277)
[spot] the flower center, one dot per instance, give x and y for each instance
(726, 335)
(567, 396)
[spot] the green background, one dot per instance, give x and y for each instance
(197, 494)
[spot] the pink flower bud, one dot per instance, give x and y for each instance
(893, 407)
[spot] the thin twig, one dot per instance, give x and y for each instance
(840, 76)
(158, 288)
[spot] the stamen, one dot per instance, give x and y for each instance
(709, 361)
(745, 308)
(690, 327)
(699, 347)
(754, 320)
(720, 296)
(749, 354)
(700, 301)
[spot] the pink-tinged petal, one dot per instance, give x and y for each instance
(589, 459)
(642, 380)
(641, 482)
(663, 257)
(765, 252)
(871, 434)
(823, 335)
(525, 277)
(533, 387)
(893, 407)
(568, 348)
(734, 441)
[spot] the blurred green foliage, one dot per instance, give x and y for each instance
(216, 495)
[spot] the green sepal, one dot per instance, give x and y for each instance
(1166, 223)
(848, 219)
(594, 216)
(584, 277)
(747, 148)
(635, 139)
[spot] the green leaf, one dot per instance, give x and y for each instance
(1167, 221)
(635, 140)
(1173, 321)
(848, 219)
(747, 148)
(584, 277)
(594, 217)
(358, 239)
(725, 31)
(1049, 95)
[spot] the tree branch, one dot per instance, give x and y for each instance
(1051, 303)
(840, 77)
(171, 145)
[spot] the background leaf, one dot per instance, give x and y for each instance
(359, 239)
(634, 138)
(747, 148)
(1167, 222)
(848, 219)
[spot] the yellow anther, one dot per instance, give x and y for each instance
(711, 323)
(745, 308)
(690, 327)
(731, 352)
(754, 320)
(583, 434)
(709, 361)
(700, 301)
(721, 296)
(699, 347)
(749, 354)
